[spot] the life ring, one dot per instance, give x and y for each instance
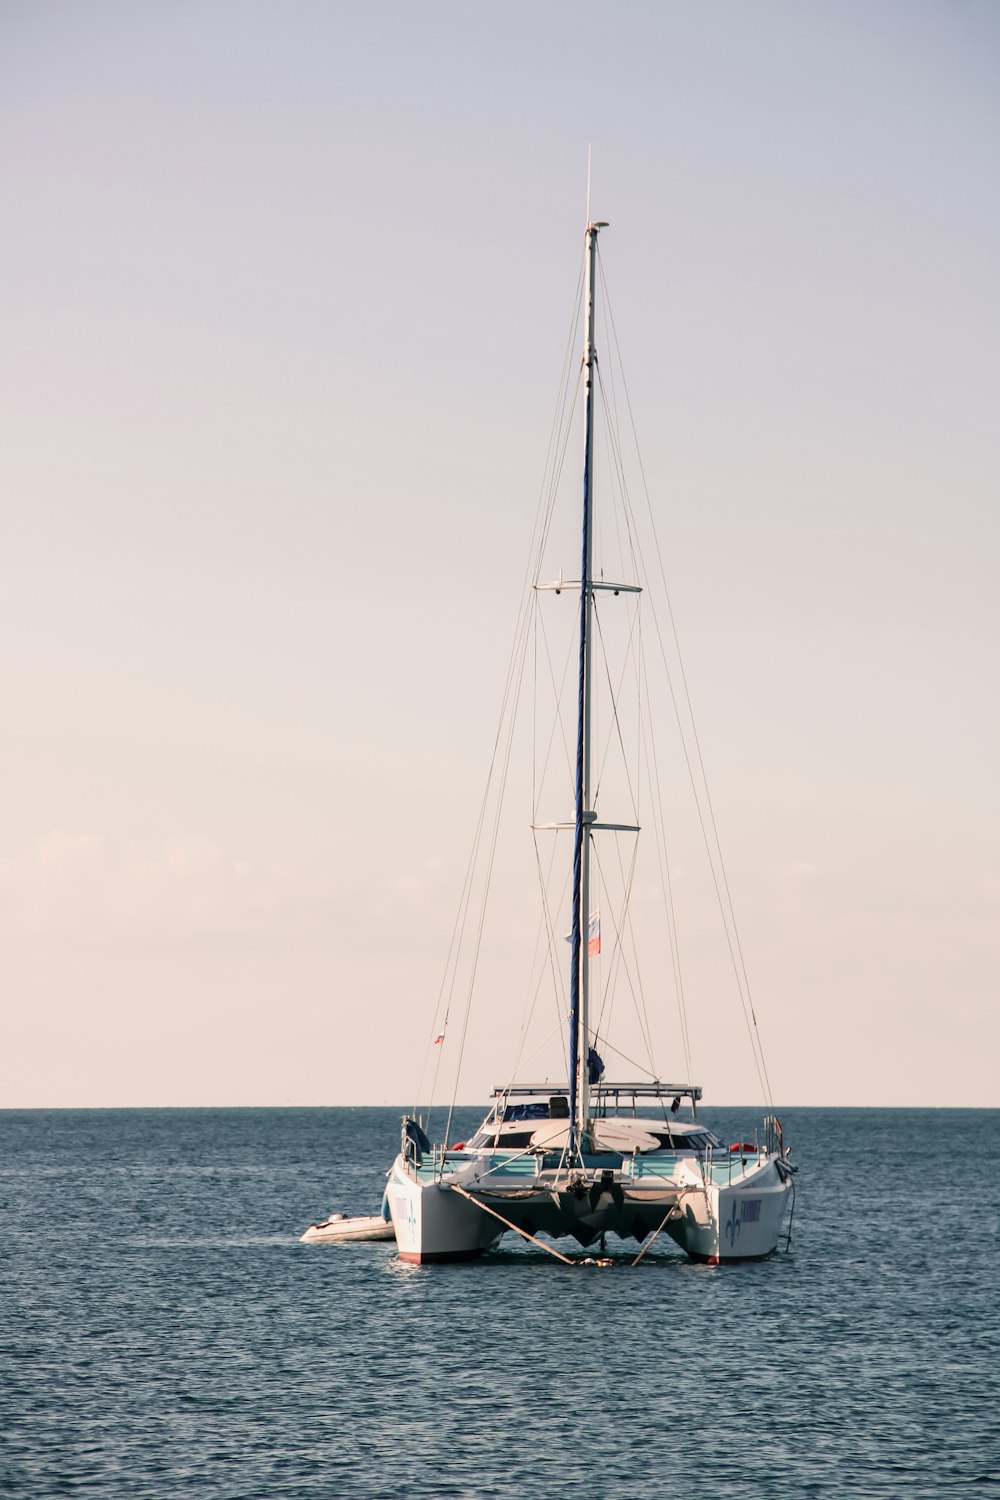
(458, 1146)
(743, 1147)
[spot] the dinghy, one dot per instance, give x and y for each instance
(339, 1228)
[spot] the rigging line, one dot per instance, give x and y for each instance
(555, 481)
(639, 1003)
(614, 478)
(558, 983)
(460, 921)
(549, 945)
(534, 985)
(641, 1067)
(747, 1012)
(541, 529)
(728, 917)
(554, 463)
(618, 959)
(648, 741)
(559, 460)
(605, 310)
(606, 903)
(509, 1224)
(486, 889)
(604, 313)
(518, 652)
(642, 1010)
(647, 738)
(690, 709)
(457, 929)
(534, 707)
(649, 1242)
(502, 1096)
(543, 521)
(508, 714)
(559, 413)
(614, 710)
(618, 463)
(616, 514)
(502, 1099)
(617, 564)
(561, 422)
(623, 965)
(557, 720)
(484, 803)
(614, 444)
(512, 698)
(555, 1032)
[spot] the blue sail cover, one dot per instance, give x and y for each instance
(595, 1065)
(578, 834)
(525, 1112)
(412, 1132)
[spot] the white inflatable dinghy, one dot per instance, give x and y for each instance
(350, 1227)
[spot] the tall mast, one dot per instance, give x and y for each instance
(579, 1044)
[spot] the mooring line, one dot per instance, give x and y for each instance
(566, 1260)
(649, 1242)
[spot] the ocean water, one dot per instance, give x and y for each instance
(164, 1334)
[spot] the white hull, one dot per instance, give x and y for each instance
(433, 1223)
(710, 1222)
(741, 1221)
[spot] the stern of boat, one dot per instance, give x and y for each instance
(432, 1223)
(733, 1220)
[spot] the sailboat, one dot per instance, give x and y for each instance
(585, 1156)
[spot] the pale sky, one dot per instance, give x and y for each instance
(285, 291)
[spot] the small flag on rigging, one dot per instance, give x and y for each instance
(593, 935)
(439, 1039)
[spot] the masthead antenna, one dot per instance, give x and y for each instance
(589, 149)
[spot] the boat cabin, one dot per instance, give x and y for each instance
(536, 1118)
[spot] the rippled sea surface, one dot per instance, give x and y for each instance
(164, 1333)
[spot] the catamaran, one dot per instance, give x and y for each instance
(581, 1155)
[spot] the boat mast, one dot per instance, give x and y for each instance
(579, 1044)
